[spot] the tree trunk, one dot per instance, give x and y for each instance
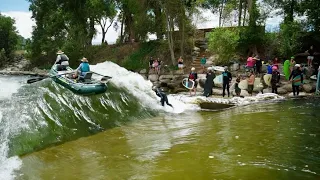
(240, 13)
(170, 28)
(91, 31)
(245, 13)
(182, 30)
(121, 33)
(220, 12)
(159, 22)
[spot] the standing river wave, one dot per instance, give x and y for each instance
(47, 132)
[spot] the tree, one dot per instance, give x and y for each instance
(224, 42)
(8, 37)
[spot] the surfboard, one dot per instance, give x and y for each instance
(218, 68)
(318, 84)
(187, 84)
(297, 80)
(256, 86)
(267, 79)
(314, 77)
(286, 69)
(218, 79)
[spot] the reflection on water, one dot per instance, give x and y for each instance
(270, 141)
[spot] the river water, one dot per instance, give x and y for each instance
(46, 132)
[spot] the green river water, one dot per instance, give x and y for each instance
(47, 132)
(271, 141)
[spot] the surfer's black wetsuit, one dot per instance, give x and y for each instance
(226, 80)
(163, 96)
(208, 85)
(274, 81)
(294, 74)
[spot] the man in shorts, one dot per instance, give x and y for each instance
(311, 56)
(251, 79)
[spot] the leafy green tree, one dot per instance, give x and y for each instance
(224, 42)
(8, 34)
(290, 34)
(8, 38)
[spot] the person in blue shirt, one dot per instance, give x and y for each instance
(83, 68)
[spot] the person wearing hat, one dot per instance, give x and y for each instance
(193, 76)
(296, 78)
(208, 85)
(275, 79)
(62, 61)
(83, 68)
(227, 77)
(292, 63)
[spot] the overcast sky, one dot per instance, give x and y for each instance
(19, 10)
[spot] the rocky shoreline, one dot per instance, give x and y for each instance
(172, 83)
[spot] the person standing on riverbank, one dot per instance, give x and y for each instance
(193, 76)
(292, 64)
(236, 86)
(227, 77)
(62, 61)
(296, 78)
(275, 79)
(258, 65)
(203, 62)
(208, 85)
(311, 56)
(180, 63)
(251, 80)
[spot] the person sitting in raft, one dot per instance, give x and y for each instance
(193, 76)
(275, 79)
(163, 96)
(62, 61)
(83, 68)
(296, 78)
(251, 80)
(227, 77)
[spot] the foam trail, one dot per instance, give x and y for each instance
(136, 85)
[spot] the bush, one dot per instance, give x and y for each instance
(290, 34)
(224, 43)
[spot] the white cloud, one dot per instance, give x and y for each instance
(23, 20)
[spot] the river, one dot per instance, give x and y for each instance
(49, 133)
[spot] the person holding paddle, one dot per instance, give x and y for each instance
(62, 61)
(296, 78)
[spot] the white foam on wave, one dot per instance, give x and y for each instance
(7, 165)
(235, 100)
(136, 85)
(9, 86)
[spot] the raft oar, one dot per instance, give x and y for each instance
(29, 81)
(104, 77)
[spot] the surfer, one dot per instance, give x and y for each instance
(275, 79)
(296, 78)
(226, 81)
(62, 61)
(208, 85)
(251, 79)
(163, 96)
(193, 76)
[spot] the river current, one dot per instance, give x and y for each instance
(47, 132)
